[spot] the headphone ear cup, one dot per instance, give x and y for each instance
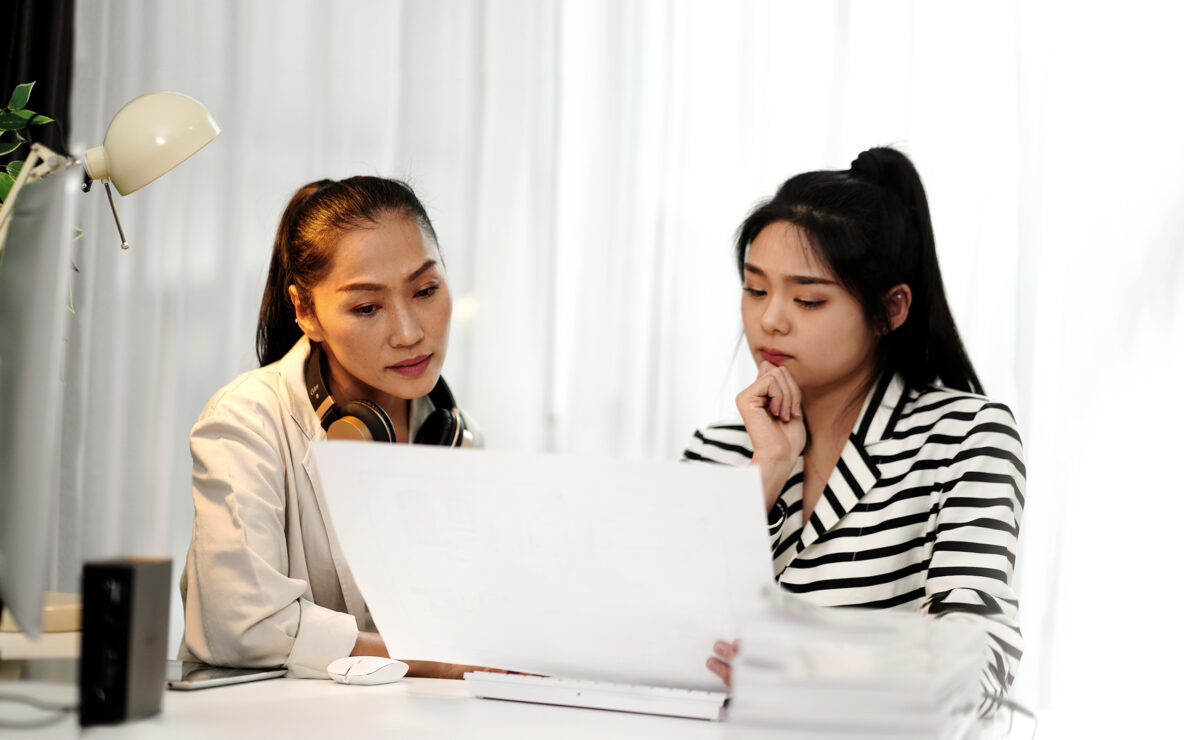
(442, 427)
(364, 420)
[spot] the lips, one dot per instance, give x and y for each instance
(412, 367)
(773, 356)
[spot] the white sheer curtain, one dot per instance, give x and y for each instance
(586, 165)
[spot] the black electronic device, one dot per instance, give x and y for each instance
(125, 627)
(364, 420)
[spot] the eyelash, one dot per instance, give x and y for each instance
(427, 292)
(758, 293)
(367, 310)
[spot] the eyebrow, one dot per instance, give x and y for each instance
(795, 279)
(422, 269)
(374, 287)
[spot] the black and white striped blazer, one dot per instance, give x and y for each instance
(922, 512)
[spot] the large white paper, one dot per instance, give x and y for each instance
(602, 569)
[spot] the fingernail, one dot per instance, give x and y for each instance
(797, 409)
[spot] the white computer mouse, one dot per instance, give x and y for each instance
(366, 670)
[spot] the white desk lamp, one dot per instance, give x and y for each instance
(148, 137)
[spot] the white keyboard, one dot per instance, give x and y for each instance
(621, 697)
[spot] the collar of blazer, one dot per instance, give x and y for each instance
(856, 471)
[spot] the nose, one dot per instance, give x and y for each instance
(775, 318)
(405, 329)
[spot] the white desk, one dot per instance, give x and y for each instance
(295, 709)
(412, 708)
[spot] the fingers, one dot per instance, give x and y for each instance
(720, 665)
(775, 391)
(726, 650)
(721, 669)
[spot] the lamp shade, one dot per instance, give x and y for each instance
(148, 137)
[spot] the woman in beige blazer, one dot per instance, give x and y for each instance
(355, 319)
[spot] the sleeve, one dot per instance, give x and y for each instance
(974, 553)
(241, 606)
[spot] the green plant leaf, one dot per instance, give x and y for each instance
(14, 168)
(11, 120)
(5, 184)
(8, 146)
(20, 95)
(39, 119)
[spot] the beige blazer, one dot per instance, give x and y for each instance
(265, 582)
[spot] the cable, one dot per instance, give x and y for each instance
(60, 712)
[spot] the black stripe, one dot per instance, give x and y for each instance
(784, 545)
(907, 397)
(966, 502)
(975, 476)
(687, 454)
(892, 601)
(978, 609)
(943, 598)
(903, 494)
(985, 523)
(876, 579)
(955, 571)
(816, 524)
(729, 427)
(833, 500)
(950, 439)
(724, 445)
(864, 555)
(1007, 647)
(975, 547)
(849, 477)
(887, 524)
(962, 456)
(951, 416)
(877, 397)
(946, 401)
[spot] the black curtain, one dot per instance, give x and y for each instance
(39, 38)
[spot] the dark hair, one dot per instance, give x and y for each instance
(318, 214)
(870, 225)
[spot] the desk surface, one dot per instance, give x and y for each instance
(411, 708)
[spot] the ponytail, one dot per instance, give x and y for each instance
(277, 330)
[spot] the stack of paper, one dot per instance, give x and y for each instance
(856, 672)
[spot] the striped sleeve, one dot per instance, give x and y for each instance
(726, 444)
(978, 521)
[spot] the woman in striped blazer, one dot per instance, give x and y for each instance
(890, 480)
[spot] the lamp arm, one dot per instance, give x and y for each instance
(50, 161)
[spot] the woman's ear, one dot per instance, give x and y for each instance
(897, 300)
(306, 317)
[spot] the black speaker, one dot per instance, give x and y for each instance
(125, 629)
